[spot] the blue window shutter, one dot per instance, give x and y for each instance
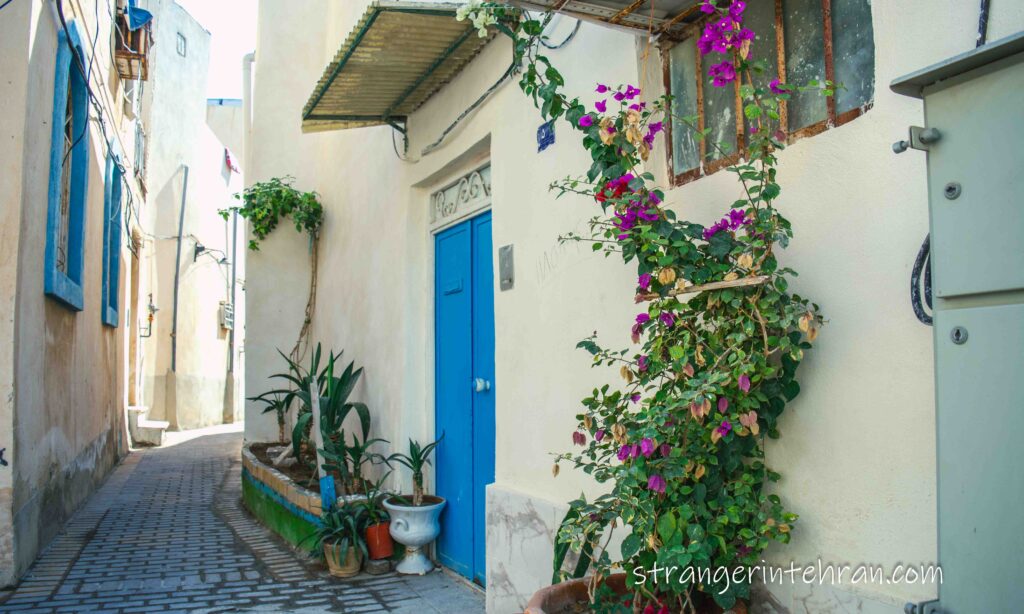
(111, 241)
(66, 286)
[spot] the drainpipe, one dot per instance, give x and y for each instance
(234, 272)
(177, 270)
(247, 63)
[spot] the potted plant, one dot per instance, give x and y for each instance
(339, 539)
(378, 522)
(414, 520)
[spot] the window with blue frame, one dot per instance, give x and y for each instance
(111, 240)
(69, 178)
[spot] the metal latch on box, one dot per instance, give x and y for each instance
(920, 139)
(924, 607)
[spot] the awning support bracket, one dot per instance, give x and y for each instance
(405, 134)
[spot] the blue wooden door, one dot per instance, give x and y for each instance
(464, 404)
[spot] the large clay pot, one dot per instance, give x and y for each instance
(339, 568)
(571, 596)
(414, 528)
(378, 540)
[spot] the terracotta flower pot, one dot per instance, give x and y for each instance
(378, 540)
(571, 596)
(342, 569)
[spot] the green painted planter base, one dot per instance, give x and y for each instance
(273, 513)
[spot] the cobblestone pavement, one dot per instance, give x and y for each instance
(167, 532)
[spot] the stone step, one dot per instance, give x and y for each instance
(143, 430)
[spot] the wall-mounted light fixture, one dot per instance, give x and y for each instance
(201, 249)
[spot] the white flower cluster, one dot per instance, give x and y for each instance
(481, 16)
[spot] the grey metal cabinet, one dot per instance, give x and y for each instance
(974, 138)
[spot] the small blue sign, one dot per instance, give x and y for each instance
(328, 496)
(545, 135)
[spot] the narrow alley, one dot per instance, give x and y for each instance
(166, 532)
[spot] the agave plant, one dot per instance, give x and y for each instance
(274, 401)
(334, 404)
(349, 459)
(416, 460)
(342, 526)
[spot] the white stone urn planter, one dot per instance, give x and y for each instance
(415, 528)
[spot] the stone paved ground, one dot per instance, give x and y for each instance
(167, 532)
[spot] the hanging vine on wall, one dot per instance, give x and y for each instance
(265, 205)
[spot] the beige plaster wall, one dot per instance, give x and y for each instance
(15, 46)
(857, 451)
(68, 422)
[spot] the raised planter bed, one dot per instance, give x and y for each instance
(285, 507)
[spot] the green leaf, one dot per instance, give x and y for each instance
(631, 545)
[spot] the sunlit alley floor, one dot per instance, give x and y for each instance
(167, 532)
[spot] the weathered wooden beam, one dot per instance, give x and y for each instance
(743, 282)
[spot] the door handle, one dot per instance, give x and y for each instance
(480, 384)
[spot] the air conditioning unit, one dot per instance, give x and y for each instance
(227, 316)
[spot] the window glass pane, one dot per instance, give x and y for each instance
(853, 52)
(803, 25)
(760, 17)
(683, 69)
(720, 116)
(64, 212)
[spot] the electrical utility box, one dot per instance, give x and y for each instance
(974, 140)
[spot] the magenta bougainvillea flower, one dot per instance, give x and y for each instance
(635, 397)
(599, 435)
(725, 34)
(601, 88)
(656, 483)
(586, 121)
(641, 362)
(579, 438)
(733, 221)
(667, 319)
(736, 10)
(778, 88)
(665, 450)
(723, 404)
(641, 319)
(723, 428)
(647, 447)
(644, 282)
(623, 453)
(707, 7)
(744, 383)
(722, 74)
(601, 106)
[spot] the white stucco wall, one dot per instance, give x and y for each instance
(857, 451)
(199, 392)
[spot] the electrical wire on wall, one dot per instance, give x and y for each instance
(923, 261)
(512, 69)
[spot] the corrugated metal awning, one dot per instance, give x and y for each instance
(398, 55)
(658, 17)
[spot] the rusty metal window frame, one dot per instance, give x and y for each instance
(707, 167)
